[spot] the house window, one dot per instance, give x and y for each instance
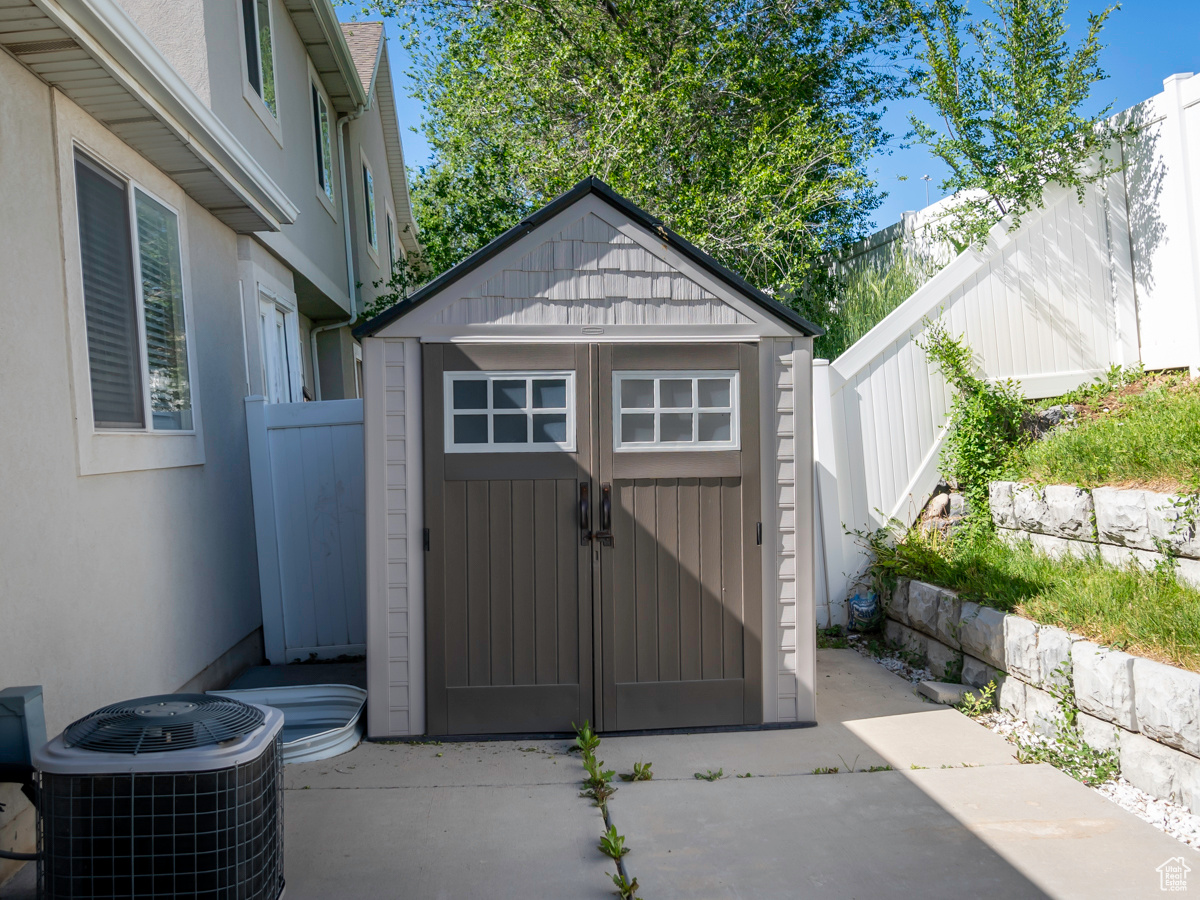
(324, 143)
(391, 236)
(260, 62)
(133, 304)
(369, 206)
(675, 410)
(279, 337)
(509, 412)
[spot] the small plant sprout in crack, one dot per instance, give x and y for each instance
(626, 890)
(710, 775)
(747, 775)
(884, 768)
(586, 740)
(597, 785)
(641, 772)
(826, 770)
(613, 844)
(978, 703)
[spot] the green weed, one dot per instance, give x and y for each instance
(626, 890)
(710, 775)
(641, 772)
(613, 844)
(979, 702)
(826, 770)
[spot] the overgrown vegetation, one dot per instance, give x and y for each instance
(985, 428)
(1009, 93)
(862, 298)
(1132, 429)
(1149, 613)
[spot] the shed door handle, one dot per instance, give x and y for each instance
(585, 515)
(606, 507)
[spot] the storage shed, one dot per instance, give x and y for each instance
(589, 488)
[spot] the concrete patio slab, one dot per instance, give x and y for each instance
(461, 843)
(996, 832)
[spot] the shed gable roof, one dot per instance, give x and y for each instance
(589, 271)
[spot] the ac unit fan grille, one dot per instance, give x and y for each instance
(206, 835)
(167, 722)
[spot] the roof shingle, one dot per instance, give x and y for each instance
(363, 39)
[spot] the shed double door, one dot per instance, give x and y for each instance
(591, 559)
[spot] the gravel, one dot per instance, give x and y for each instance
(1175, 820)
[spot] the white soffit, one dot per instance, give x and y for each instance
(94, 53)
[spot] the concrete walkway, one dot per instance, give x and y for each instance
(955, 817)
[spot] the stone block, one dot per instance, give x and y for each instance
(1167, 702)
(942, 692)
(1000, 499)
(1150, 766)
(1029, 509)
(1012, 537)
(1041, 710)
(897, 607)
(1010, 697)
(1069, 512)
(958, 505)
(924, 601)
(1121, 557)
(1121, 518)
(1104, 683)
(905, 638)
(1188, 571)
(1097, 733)
(1168, 524)
(1020, 649)
(943, 661)
(1054, 655)
(1051, 545)
(981, 632)
(949, 611)
(978, 674)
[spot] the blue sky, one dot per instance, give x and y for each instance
(1146, 41)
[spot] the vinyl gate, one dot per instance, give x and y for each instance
(306, 468)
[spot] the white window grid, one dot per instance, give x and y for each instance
(657, 376)
(451, 378)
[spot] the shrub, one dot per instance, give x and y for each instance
(985, 421)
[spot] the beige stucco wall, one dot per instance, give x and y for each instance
(202, 39)
(119, 585)
(365, 138)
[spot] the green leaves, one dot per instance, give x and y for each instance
(1010, 94)
(641, 772)
(746, 124)
(613, 844)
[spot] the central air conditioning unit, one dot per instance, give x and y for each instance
(172, 796)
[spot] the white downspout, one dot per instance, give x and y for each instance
(351, 281)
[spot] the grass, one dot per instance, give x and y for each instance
(1142, 431)
(863, 299)
(1148, 613)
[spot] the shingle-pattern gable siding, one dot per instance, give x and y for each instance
(621, 281)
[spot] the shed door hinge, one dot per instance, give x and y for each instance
(425, 538)
(758, 531)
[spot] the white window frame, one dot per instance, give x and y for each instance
(358, 372)
(696, 445)
(271, 302)
(105, 451)
(450, 378)
(389, 219)
(369, 215)
(328, 200)
(271, 120)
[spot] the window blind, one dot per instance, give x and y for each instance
(114, 357)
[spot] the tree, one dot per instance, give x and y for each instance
(1010, 94)
(744, 124)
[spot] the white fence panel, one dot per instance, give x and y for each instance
(306, 466)
(1049, 305)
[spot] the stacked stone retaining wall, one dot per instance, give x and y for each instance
(1146, 711)
(1121, 525)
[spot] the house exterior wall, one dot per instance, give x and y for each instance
(365, 139)
(203, 41)
(127, 583)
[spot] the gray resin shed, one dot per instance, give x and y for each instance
(589, 488)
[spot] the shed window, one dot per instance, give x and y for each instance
(664, 410)
(260, 60)
(133, 301)
(509, 412)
